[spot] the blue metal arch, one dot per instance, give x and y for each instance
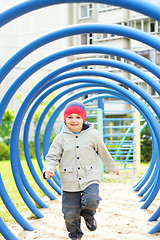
(78, 29)
(18, 120)
(144, 6)
(78, 50)
(91, 72)
(149, 8)
(50, 83)
(49, 127)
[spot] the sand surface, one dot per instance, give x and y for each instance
(119, 217)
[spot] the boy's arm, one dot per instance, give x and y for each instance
(102, 151)
(52, 158)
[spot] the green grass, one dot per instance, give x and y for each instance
(126, 176)
(13, 193)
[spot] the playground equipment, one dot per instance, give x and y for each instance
(59, 78)
(116, 141)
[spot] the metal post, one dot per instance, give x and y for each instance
(137, 140)
(100, 130)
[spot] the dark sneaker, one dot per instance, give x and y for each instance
(91, 223)
(75, 238)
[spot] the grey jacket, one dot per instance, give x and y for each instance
(77, 156)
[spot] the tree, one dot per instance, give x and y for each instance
(146, 145)
(6, 125)
(41, 108)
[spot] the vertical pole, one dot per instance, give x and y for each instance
(137, 140)
(101, 106)
(111, 130)
(100, 130)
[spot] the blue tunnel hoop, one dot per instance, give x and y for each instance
(148, 9)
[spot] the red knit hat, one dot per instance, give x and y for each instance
(75, 107)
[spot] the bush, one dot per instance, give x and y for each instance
(146, 148)
(6, 126)
(146, 145)
(31, 149)
(4, 152)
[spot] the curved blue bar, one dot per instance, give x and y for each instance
(29, 189)
(103, 62)
(5, 231)
(15, 164)
(26, 102)
(107, 84)
(12, 209)
(78, 50)
(15, 152)
(30, 165)
(145, 178)
(26, 132)
(148, 174)
(155, 229)
(5, 99)
(54, 119)
(145, 197)
(47, 134)
(155, 215)
(62, 76)
(91, 73)
(28, 158)
(154, 189)
(148, 8)
(19, 183)
(78, 29)
(144, 6)
(117, 78)
(74, 74)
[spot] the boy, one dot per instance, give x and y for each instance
(76, 149)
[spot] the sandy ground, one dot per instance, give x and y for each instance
(119, 217)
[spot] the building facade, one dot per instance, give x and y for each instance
(25, 29)
(108, 14)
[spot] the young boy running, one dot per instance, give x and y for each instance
(76, 149)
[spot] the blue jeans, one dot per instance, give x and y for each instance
(77, 204)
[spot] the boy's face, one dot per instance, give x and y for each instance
(74, 122)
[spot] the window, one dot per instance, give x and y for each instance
(147, 25)
(147, 88)
(152, 26)
(86, 11)
(149, 54)
(138, 25)
(101, 36)
(158, 58)
(145, 54)
(87, 39)
(131, 24)
(152, 91)
(104, 35)
(158, 26)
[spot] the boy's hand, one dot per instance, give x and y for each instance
(116, 172)
(49, 173)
